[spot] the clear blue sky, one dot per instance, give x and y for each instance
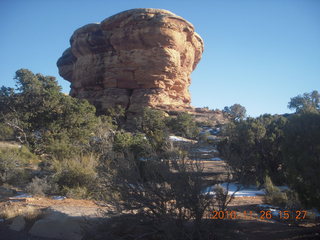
(257, 53)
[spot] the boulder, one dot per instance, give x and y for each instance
(140, 57)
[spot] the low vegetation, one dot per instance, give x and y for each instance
(283, 149)
(65, 148)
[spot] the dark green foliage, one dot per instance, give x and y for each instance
(13, 162)
(252, 148)
(6, 132)
(308, 102)
(76, 175)
(301, 148)
(43, 117)
(285, 148)
(116, 115)
(236, 111)
(122, 141)
(274, 195)
(152, 124)
(140, 146)
(183, 125)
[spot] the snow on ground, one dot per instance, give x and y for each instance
(212, 137)
(58, 197)
(207, 150)
(237, 189)
(240, 190)
(22, 195)
(214, 159)
(212, 131)
(180, 139)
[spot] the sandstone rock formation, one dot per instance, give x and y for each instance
(140, 57)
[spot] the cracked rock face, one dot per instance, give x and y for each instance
(140, 57)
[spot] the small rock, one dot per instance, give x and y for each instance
(18, 224)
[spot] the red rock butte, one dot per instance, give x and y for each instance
(140, 57)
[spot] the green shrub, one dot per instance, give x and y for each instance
(75, 192)
(6, 132)
(75, 172)
(13, 163)
(183, 125)
(39, 187)
(301, 148)
(152, 123)
(45, 118)
(140, 146)
(122, 141)
(274, 195)
(60, 149)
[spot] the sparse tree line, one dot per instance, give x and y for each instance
(82, 155)
(283, 149)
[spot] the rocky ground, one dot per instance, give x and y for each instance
(62, 219)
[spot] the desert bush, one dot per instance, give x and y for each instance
(274, 195)
(76, 192)
(11, 211)
(39, 187)
(183, 125)
(252, 147)
(204, 137)
(41, 114)
(104, 132)
(115, 115)
(122, 141)
(152, 123)
(160, 191)
(76, 172)
(293, 201)
(137, 144)
(6, 132)
(13, 162)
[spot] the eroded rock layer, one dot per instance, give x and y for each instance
(140, 57)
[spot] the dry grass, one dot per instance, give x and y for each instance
(10, 211)
(4, 144)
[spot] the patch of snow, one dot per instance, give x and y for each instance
(274, 212)
(215, 131)
(283, 188)
(236, 189)
(23, 195)
(214, 159)
(206, 150)
(263, 206)
(59, 197)
(240, 190)
(212, 137)
(180, 139)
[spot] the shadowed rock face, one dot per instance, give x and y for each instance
(140, 57)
